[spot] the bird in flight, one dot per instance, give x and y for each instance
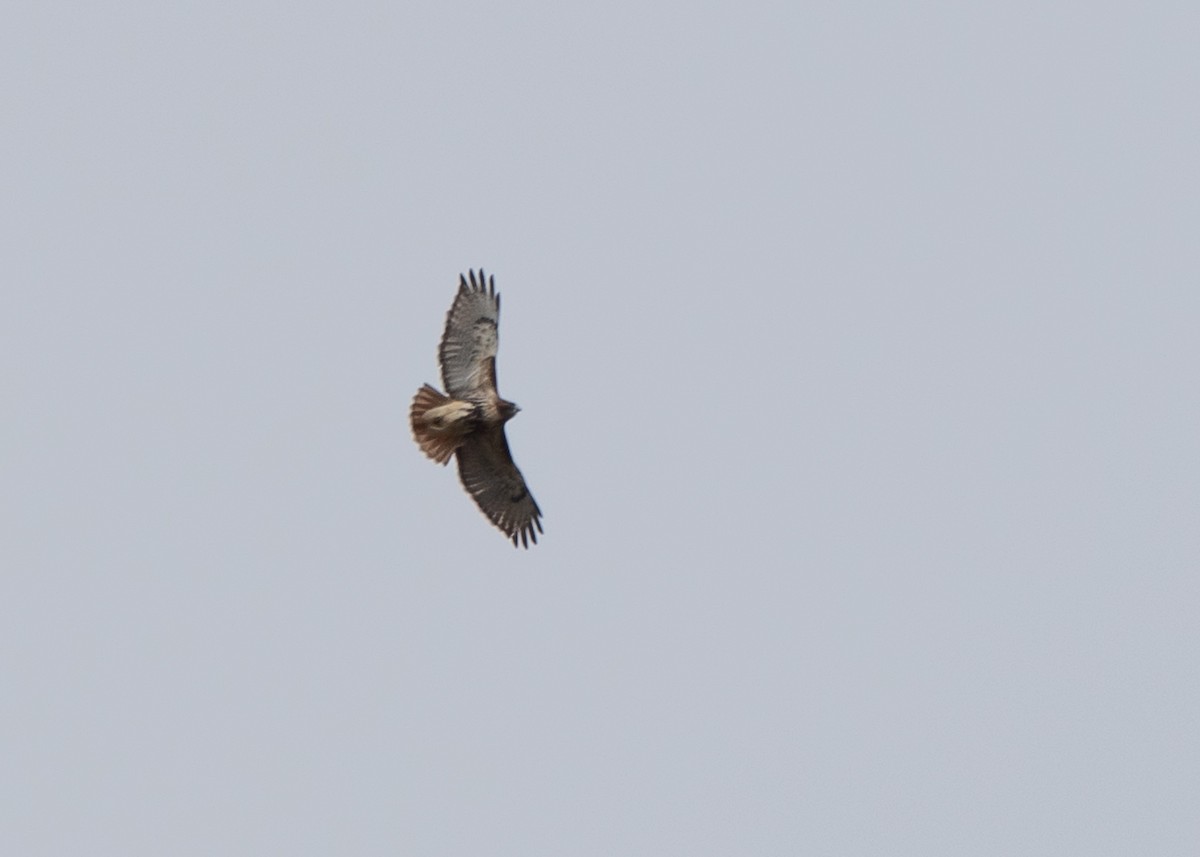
(468, 420)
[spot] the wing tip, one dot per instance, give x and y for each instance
(484, 284)
(526, 532)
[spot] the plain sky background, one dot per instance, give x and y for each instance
(857, 351)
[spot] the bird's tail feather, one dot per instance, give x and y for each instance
(439, 447)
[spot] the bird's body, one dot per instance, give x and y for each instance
(468, 420)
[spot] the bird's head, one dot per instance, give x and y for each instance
(508, 410)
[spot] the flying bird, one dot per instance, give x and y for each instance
(468, 420)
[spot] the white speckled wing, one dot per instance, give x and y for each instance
(468, 349)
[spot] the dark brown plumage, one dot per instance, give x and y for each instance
(468, 420)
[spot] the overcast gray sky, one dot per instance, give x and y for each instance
(857, 351)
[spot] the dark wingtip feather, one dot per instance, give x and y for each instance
(483, 283)
(524, 536)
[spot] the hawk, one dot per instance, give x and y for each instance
(469, 421)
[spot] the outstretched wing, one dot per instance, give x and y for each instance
(490, 476)
(468, 350)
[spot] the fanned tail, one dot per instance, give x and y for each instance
(437, 444)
